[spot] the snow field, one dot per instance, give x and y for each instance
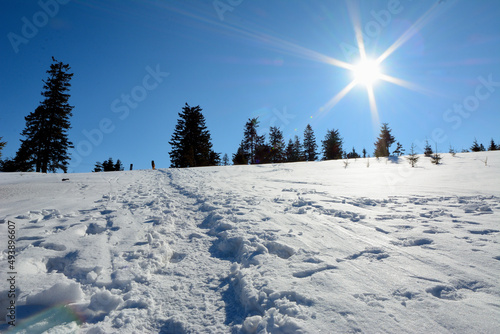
(286, 248)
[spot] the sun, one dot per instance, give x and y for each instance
(367, 72)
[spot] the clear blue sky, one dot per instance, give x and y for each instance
(245, 58)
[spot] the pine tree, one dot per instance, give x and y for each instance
(399, 151)
(412, 158)
(384, 141)
(191, 141)
(277, 145)
(493, 146)
(475, 146)
(46, 141)
(427, 149)
(310, 146)
(332, 145)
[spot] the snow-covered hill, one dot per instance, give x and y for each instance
(375, 247)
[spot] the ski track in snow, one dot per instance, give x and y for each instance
(216, 251)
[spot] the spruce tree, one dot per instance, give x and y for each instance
(332, 145)
(297, 149)
(384, 141)
(277, 145)
(191, 141)
(289, 151)
(241, 156)
(492, 146)
(310, 145)
(118, 166)
(2, 144)
(427, 149)
(475, 146)
(251, 140)
(98, 167)
(46, 141)
(352, 155)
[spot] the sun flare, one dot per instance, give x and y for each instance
(367, 72)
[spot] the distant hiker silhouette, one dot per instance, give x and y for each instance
(153, 164)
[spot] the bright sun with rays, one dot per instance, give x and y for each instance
(367, 72)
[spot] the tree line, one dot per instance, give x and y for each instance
(45, 144)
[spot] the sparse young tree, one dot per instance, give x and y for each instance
(452, 151)
(277, 145)
(399, 151)
(436, 157)
(225, 160)
(191, 141)
(412, 157)
(310, 146)
(384, 141)
(427, 149)
(46, 141)
(332, 145)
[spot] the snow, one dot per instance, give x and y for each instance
(307, 247)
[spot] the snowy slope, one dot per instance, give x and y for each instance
(315, 247)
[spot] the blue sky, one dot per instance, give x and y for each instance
(136, 63)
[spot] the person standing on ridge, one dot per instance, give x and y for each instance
(153, 164)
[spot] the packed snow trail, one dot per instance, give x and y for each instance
(287, 248)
